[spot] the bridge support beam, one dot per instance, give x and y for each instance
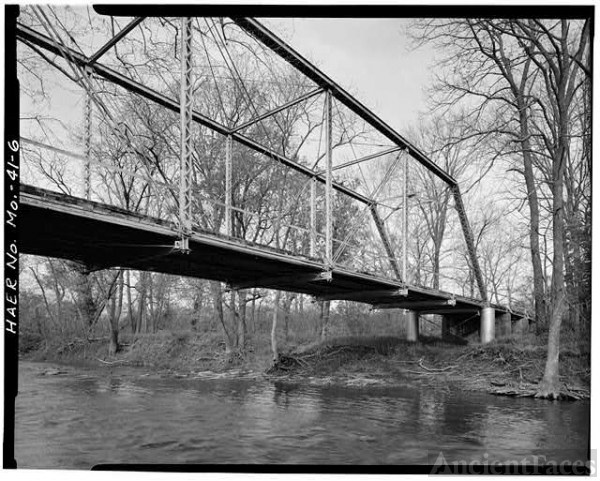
(488, 324)
(503, 326)
(412, 325)
(228, 186)
(404, 218)
(313, 217)
(186, 108)
(87, 181)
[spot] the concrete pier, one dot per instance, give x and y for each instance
(503, 326)
(412, 325)
(446, 323)
(488, 324)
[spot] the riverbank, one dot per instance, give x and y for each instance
(503, 367)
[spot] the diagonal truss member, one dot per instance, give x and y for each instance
(386, 241)
(114, 40)
(468, 233)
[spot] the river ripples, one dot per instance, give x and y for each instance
(84, 417)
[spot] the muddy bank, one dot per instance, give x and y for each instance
(502, 367)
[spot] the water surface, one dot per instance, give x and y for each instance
(86, 416)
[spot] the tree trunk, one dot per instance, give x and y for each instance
(85, 297)
(142, 303)
(573, 274)
(116, 304)
(58, 299)
(324, 319)
(539, 291)
(217, 293)
(274, 327)
(130, 305)
(436, 267)
(241, 327)
(550, 384)
(287, 303)
(113, 346)
(549, 387)
(38, 314)
(233, 320)
(49, 309)
(197, 308)
(151, 303)
(253, 315)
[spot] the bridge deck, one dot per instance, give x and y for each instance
(102, 236)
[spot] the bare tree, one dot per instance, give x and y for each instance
(558, 49)
(489, 73)
(520, 79)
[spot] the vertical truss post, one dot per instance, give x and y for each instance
(313, 216)
(228, 186)
(464, 222)
(386, 241)
(88, 145)
(185, 184)
(328, 184)
(404, 218)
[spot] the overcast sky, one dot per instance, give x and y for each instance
(368, 57)
(371, 58)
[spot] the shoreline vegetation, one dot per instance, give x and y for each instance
(504, 367)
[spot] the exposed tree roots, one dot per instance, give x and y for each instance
(325, 353)
(505, 369)
(565, 392)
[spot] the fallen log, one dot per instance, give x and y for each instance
(566, 393)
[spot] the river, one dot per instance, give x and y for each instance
(85, 416)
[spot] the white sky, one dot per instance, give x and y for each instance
(368, 57)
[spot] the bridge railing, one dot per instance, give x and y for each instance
(51, 168)
(63, 171)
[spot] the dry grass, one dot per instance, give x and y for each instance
(178, 351)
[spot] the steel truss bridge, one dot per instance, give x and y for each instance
(101, 235)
